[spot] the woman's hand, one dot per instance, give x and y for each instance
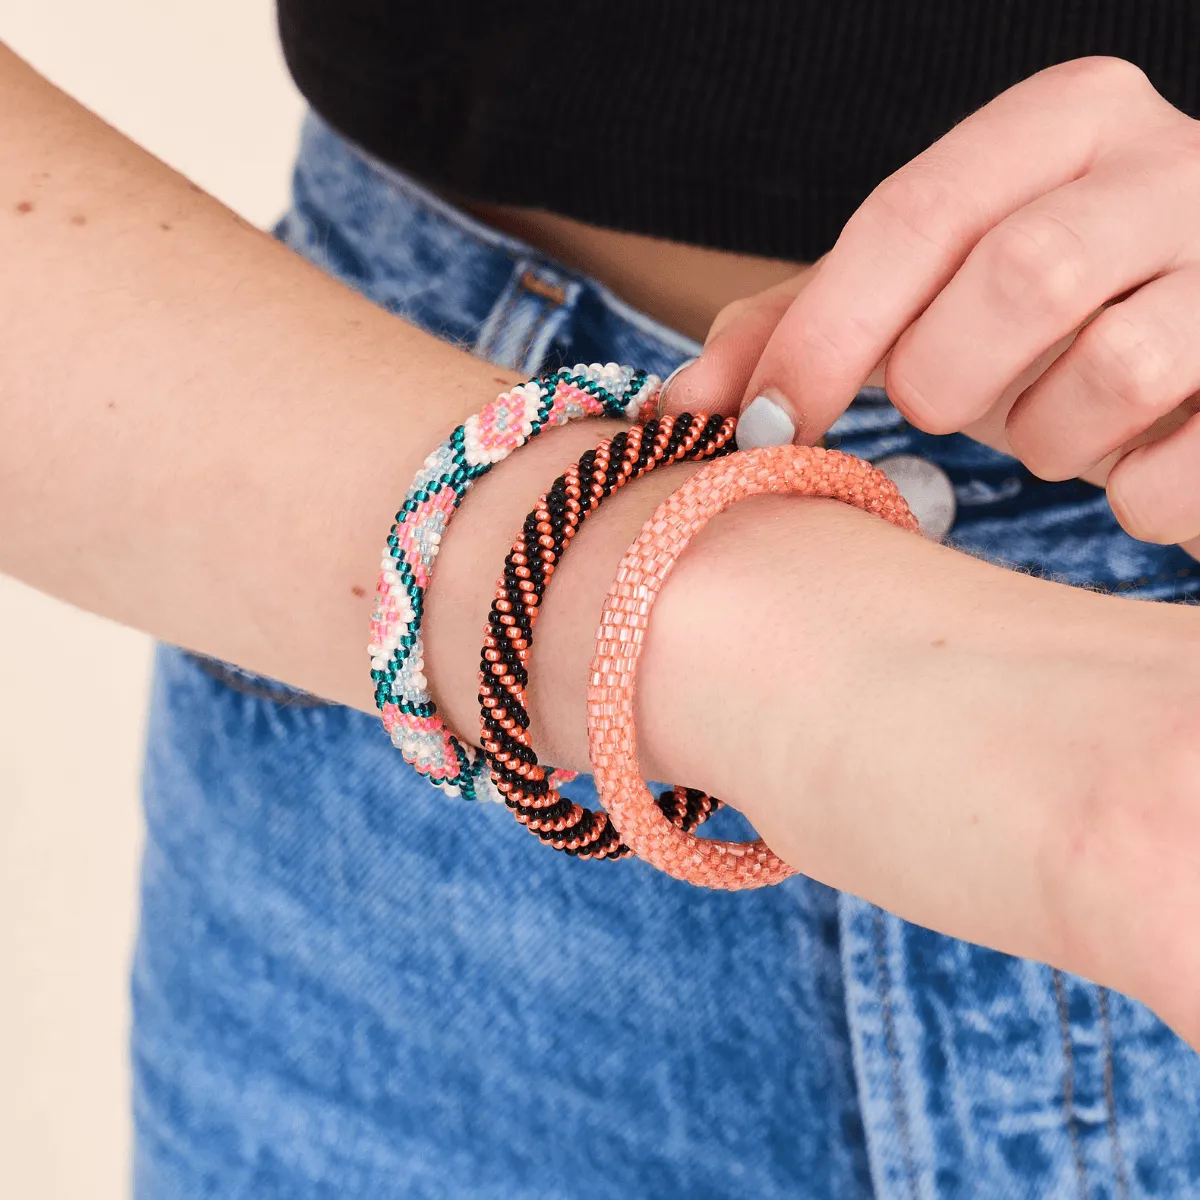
(1002, 758)
(1046, 250)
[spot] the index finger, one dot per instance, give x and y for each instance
(913, 232)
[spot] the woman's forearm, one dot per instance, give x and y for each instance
(207, 438)
(204, 437)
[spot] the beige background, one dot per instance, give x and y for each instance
(202, 85)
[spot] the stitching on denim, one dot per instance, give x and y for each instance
(498, 326)
(535, 328)
(1110, 1097)
(892, 1042)
(286, 697)
(548, 309)
(1068, 1045)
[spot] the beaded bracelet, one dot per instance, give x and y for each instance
(804, 470)
(533, 796)
(397, 646)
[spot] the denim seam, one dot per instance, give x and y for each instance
(496, 323)
(535, 327)
(546, 311)
(1068, 1046)
(499, 322)
(286, 696)
(892, 1042)
(546, 308)
(1110, 1097)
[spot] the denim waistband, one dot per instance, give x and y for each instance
(454, 275)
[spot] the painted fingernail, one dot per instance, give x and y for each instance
(765, 422)
(670, 379)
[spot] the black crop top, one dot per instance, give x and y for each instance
(749, 125)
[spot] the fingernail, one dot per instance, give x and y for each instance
(670, 379)
(765, 422)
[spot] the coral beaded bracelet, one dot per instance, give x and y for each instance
(533, 795)
(803, 470)
(397, 647)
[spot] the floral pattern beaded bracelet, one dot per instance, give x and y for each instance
(801, 470)
(396, 648)
(528, 789)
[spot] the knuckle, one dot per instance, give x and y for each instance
(1179, 163)
(736, 309)
(1135, 503)
(824, 355)
(904, 389)
(1121, 358)
(1126, 504)
(1105, 74)
(922, 203)
(729, 316)
(1037, 261)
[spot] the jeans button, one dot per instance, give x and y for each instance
(927, 490)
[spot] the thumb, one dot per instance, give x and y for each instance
(717, 380)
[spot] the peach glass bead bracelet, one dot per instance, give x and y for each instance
(800, 470)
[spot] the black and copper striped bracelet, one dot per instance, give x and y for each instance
(528, 788)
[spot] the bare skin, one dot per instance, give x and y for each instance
(203, 437)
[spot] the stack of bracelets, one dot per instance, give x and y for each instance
(659, 829)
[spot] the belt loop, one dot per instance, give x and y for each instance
(526, 316)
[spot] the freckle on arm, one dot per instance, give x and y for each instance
(25, 206)
(359, 591)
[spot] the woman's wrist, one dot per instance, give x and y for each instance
(470, 562)
(1002, 758)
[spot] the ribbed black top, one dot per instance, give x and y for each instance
(751, 125)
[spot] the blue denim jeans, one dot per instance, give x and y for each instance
(342, 990)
